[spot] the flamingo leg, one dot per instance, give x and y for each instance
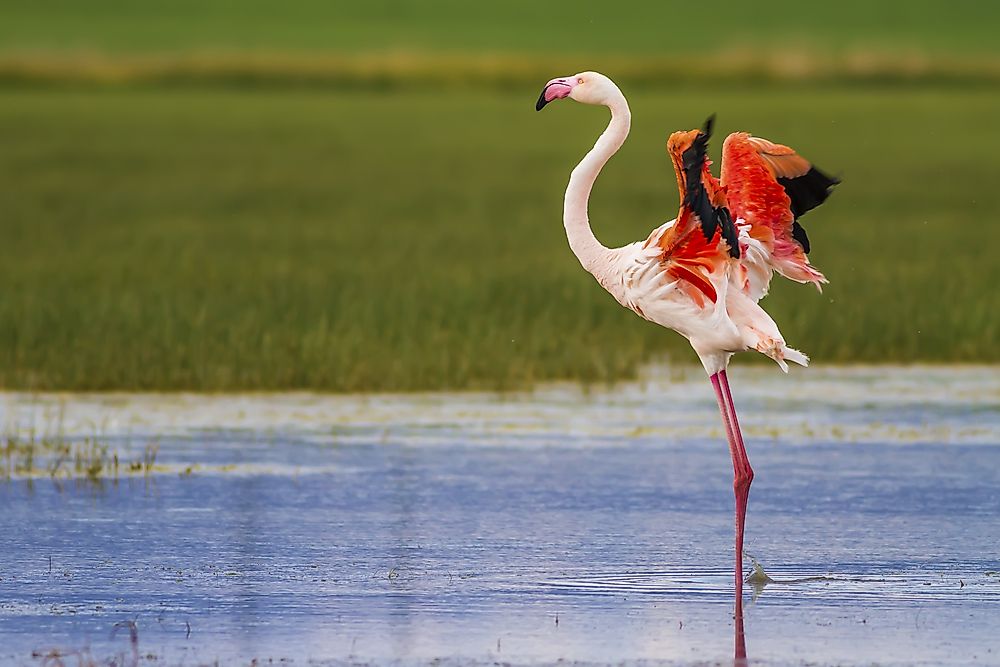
(743, 472)
(742, 477)
(739, 637)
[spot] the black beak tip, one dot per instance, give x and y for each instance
(541, 102)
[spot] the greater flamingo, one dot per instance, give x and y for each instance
(703, 273)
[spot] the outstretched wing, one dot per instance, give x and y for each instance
(692, 247)
(770, 186)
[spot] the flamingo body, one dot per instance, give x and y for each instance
(703, 273)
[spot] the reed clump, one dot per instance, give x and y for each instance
(28, 454)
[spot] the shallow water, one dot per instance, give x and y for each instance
(559, 525)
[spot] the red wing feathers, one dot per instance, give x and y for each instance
(770, 186)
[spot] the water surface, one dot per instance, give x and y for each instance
(591, 527)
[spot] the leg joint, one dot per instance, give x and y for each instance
(743, 478)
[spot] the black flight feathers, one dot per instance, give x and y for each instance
(806, 192)
(711, 217)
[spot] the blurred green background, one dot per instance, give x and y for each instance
(222, 195)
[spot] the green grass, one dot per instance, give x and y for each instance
(648, 27)
(195, 239)
(448, 43)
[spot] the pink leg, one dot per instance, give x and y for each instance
(740, 655)
(743, 473)
(742, 477)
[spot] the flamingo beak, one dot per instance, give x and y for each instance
(555, 89)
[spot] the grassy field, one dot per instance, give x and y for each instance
(404, 44)
(200, 239)
(647, 27)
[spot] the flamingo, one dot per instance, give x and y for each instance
(703, 273)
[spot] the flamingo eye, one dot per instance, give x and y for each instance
(580, 80)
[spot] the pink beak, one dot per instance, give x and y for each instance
(556, 89)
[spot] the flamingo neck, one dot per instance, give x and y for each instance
(581, 237)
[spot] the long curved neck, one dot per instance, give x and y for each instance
(581, 238)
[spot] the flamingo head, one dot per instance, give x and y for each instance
(585, 87)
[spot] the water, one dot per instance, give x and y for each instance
(557, 526)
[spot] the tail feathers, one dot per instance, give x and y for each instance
(796, 357)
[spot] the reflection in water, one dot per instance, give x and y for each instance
(246, 533)
(740, 654)
(740, 650)
(404, 495)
